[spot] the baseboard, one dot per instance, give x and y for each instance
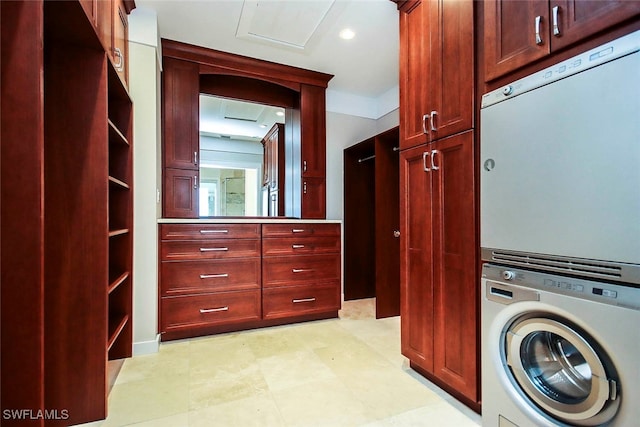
(146, 347)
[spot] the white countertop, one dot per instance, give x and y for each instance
(248, 220)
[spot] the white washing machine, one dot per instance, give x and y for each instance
(558, 351)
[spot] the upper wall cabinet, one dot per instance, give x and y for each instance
(112, 26)
(436, 70)
(517, 33)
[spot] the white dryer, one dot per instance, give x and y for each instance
(558, 351)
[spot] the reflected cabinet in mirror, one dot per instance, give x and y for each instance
(241, 137)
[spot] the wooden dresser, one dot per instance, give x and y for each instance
(220, 277)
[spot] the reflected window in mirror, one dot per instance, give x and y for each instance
(232, 155)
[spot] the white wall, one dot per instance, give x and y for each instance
(144, 88)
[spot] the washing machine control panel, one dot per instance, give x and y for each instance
(608, 293)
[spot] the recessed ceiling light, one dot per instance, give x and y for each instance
(263, 126)
(279, 113)
(347, 34)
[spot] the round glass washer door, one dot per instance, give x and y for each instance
(560, 371)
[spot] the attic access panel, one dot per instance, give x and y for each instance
(285, 23)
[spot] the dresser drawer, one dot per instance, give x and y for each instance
(185, 277)
(210, 309)
(291, 270)
(297, 246)
(209, 231)
(300, 300)
(209, 249)
(299, 230)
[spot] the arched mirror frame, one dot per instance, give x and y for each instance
(301, 92)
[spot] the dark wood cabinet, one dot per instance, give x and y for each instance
(67, 199)
(436, 70)
(181, 193)
(438, 261)
(314, 190)
(225, 277)
(517, 33)
(273, 165)
(438, 234)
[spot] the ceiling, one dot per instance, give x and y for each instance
(301, 33)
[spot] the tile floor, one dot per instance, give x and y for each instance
(338, 372)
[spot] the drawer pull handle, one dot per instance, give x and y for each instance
(297, 246)
(298, 230)
(213, 310)
(213, 249)
(213, 276)
(296, 301)
(301, 270)
(213, 231)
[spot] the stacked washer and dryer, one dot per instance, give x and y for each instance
(560, 237)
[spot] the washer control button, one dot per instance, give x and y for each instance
(507, 90)
(508, 275)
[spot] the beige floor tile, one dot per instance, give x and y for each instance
(258, 411)
(162, 363)
(293, 369)
(325, 403)
(226, 385)
(274, 341)
(148, 399)
(226, 353)
(438, 415)
(357, 355)
(180, 420)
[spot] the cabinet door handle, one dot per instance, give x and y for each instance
(119, 66)
(301, 270)
(304, 166)
(556, 25)
(433, 163)
(297, 246)
(298, 230)
(424, 124)
(213, 310)
(304, 187)
(432, 120)
(214, 276)
(424, 161)
(195, 157)
(213, 231)
(297, 301)
(213, 249)
(538, 37)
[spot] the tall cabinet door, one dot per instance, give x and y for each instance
(450, 96)
(510, 34)
(454, 295)
(180, 105)
(416, 253)
(414, 73)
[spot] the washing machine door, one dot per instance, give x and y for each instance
(558, 369)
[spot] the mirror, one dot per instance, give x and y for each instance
(232, 164)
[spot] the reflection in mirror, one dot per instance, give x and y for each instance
(232, 156)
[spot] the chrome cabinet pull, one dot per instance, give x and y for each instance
(213, 231)
(301, 270)
(118, 54)
(424, 161)
(424, 123)
(213, 310)
(297, 246)
(432, 120)
(195, 157)
(396, 233)
(304, 166)
(213, 249)
(213, 276)
(556, 26)
(304, 187)
(298, 230)
(296, 301)
(538, 37)
(433, 163)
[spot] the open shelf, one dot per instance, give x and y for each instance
(113, 285)
(118, 232)
(115, 135)
(116, 182)
(116, 326)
